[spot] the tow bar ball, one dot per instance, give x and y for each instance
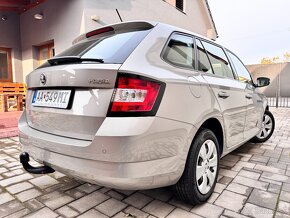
(24, 160)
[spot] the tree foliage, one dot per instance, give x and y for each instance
(276, 59)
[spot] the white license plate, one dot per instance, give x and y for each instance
(51, 98)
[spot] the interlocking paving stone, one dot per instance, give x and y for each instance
(5, 197)
(208, 210)
(19, 214)
(276, 177)
(43, 181)
(135, 212)
(274, 188)
(285, 196)
(232, 214)
(10, 207)
(281, 215)
(15, 179)
(251, 182)
(284, 207)
(19, 187)
(231, 201)
(138, 200)
(228, 173)
(269, 169)
(55, 199)
(240, 189)
(92, 214)
(256, 211)
(219, 187)
(246, 177)
(33, 204)
(180, 204)
(43, 213)
(158, 208)
(249, 174)
(28, 194)
(88, 201)
(88, 188)
(111, 207)
(263, 199)
(67, 212)
(182, 214)
(161, 194)
(115, 195)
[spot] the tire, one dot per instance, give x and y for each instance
(268, 127)
(189, 188)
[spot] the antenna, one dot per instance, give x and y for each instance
(119, 15)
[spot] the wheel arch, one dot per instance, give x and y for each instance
(215, 126)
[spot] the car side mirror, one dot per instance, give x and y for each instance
(262, 81)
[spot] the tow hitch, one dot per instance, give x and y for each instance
(24, 159)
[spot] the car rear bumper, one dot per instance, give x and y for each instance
(159, 163)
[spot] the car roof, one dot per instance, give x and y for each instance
(139, 25)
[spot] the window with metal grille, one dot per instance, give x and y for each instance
(179, 4)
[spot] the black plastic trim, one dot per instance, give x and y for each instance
(134, 113)
(24, 160)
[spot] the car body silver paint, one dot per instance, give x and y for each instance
(134, 152)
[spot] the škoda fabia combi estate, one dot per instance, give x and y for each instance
(140, 105)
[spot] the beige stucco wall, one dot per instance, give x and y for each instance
(64, 20)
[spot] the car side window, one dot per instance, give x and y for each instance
(180, 52)
(241, 70)
(203, 62)
(219, 61)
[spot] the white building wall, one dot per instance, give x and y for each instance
(64, 20)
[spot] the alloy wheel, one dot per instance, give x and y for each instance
(206, 167)
(267, 126)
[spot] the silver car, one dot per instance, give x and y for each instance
(141, 105)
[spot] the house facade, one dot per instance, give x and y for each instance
(34, 30)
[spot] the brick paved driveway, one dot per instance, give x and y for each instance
(253, 181)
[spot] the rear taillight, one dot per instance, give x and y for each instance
(136, 96)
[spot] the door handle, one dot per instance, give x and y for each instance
(223, 95)
(248, 96)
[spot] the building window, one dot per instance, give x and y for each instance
(5, 65)
(177, 3)
(45, 52)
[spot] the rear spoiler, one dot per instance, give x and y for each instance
(117, 28)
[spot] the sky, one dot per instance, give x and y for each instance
(253, 29)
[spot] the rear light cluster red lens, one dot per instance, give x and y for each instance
(136, 94)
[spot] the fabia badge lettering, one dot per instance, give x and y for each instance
(99, 81)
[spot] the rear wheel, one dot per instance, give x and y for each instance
(200, 174)
(268, 126)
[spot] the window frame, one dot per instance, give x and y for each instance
(50, 47)
(235, 77)
(193, 53)
(9, 62)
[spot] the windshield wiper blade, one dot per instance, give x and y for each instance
(72, 59)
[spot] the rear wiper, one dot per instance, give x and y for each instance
(72, 59)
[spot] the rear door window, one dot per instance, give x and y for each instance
(203, 61)
(219, 62)
(180, 51)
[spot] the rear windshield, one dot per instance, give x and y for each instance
(111, 49)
